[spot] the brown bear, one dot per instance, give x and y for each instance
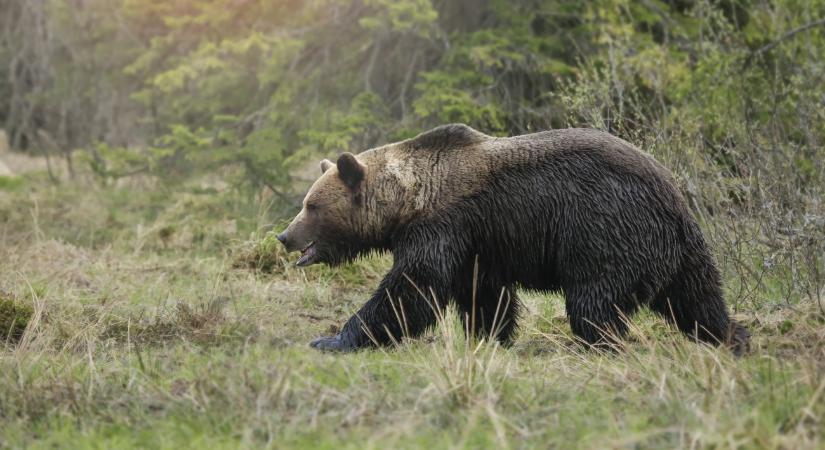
(470, 218)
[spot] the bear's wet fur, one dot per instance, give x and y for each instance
(575, 211)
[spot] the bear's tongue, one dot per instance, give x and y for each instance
(307, 255)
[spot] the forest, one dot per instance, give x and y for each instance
(150, 150)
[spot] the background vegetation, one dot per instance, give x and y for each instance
(154, 144)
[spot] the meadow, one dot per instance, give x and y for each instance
(187, 327)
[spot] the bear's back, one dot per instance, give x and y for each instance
(441, 166)
(458, 144)
(594, 145)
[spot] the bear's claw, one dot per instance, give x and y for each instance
(332, 344)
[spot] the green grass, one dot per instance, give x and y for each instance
(145, 339)
(11, 183)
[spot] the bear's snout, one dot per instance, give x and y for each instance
(309, 253)
(287, 240)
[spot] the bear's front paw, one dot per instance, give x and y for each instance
(335, 343)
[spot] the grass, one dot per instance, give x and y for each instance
(139, 337)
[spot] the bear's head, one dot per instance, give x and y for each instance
(350, 210)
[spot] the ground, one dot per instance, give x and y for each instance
(172, 320)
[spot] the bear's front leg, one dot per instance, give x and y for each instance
(397, 309)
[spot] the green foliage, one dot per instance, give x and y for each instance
(416, 16)
(14, 317)
(367, 114)
(11, 182)
(445, 97)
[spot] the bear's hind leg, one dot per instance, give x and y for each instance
(597, 314)
(496, 313)
(694, 303)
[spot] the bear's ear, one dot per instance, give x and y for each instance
(350, 170)
(325, 165)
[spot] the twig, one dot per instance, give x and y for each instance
(767, 47)
(407, 77)
(376, 48)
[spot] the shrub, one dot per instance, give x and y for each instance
(14, 317)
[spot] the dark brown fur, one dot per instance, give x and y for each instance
(577, 211)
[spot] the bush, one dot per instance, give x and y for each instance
(14, 318)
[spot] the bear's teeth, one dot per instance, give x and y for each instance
(307, 254)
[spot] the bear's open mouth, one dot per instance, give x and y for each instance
(307, 255)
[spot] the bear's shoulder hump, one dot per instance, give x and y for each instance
(447, 136)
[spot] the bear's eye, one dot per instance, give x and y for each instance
(312, 207)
